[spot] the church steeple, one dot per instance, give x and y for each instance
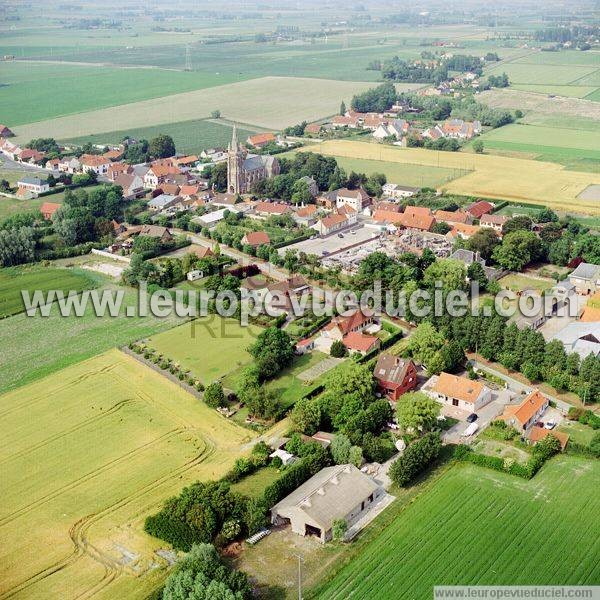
(234, 141)
(235, 165)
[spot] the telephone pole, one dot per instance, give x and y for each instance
(300, 561)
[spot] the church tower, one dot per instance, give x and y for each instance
(235, 165)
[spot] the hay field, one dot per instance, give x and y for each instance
(86, 454)
(492, 176)
(269, 102)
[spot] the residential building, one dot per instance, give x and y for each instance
(52, 164)
(361, 343)
(261, 139)
(132, 185)
(395, 376)
(495, 222)
(9, 149)
(268, 209)
(394, 190)
(460, 392)
(225, 200)
(332, 223)
(48, 209)
(433, 133)
(468, 257)
(155, 231)
(340, 327)
(313, 129)
(256, 238)
(463, 231)
(69, 165)
(34, 185)
(356, 199)
(586, 278)
(524, 415)
(282, 292)
(458, 216)
(161, 202)
(5, 132)
(479, 208)
(94, 163)
(306, 215)
(457, 128)
(115, 154)
(581, 337)
(158, 173)
(119, 168)
(339, 492)
(32, 157)
(537, 434)
(244, 170)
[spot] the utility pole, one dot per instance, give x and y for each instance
(300, 561)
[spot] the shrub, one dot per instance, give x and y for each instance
(214, 395)
(415, 459)
(338, 350)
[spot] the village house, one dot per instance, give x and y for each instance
(261, 139)
(398, 128)
(256, 286)
(5, 132)
(306, 215)
(394, 190)
(331, 224)
(462, 230)
(524, 415)
(395, 376)
(132, 185)
(459, 392)
(162, 233)
(157, 174)
(69, 165)
(115, 154)
(32, 185)
(350, 121)
(280, 293)
(48, 209)
(480, 208)
(433, 133)
(339, 328)
(495, 222)
(161, 202)
(256, 239)
(586, 278)
(118, 168)
(361, 343)
(459, 129)
(313, 129)
(580, 337)
(356, 199)
(536, 434)
(31, 157)
(339, 492)
(468, 257)
(458, 216)
(9, 149)
(52, 164)
(92, 163)
(268, 209)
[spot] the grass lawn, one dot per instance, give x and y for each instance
(16, 279)
(508, 531)
(33, 347)
(11, 206)
(210, 347)
(254, 485)
(189, 136)
(580, 434)
(518, 283)
(81, 485)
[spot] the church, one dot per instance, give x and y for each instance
(244, 170)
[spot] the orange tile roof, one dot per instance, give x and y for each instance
(359, 341)
(332, 220)
(451, 217)
(307, 211)
(272, 208)
(539, 433)
(257, 238)
(418, 211)
(346, 324)
(261, 138)
(93, 160)
(480, 208)
(465, 229)
(49, 208)
(313, 128)
(462, 388)
(387, 216)
(415, 221)
(590, 314)
(529, 407)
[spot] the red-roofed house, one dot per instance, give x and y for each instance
(463, 231)
(361, 343)
(458, 216)
(256, 238)
(266, 209)
(48, 209)
(95, 163)
(332, 223)
(313, 129)
(395, 376)
(261, 139)
(539, 433)
(114, 155)
(523, 416)
(118, 168)
(479, 208)
(340, 327)
(31, 156)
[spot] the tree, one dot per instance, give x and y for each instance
(338, 350)
(451, 273)
(478, 146)
(475, 272)
(518, 249)
(306, 416)
(441, 227)
(342, 108)
(484, 241)
(215, 114)
(415, 459)
(417, 412)
(340, 449)
(301, 193)
(214, 395)
(273, 350)
(339, 528)
(162, 146)
(425, 342)
(17, 246)
(521, 222)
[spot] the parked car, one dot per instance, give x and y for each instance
(340, 235)
(550, 424)
(472, 418)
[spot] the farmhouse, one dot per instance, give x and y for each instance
(463, 230)
(356, 199)
(460, 392)
(244, 170)
(156, 231)
(395, 376)
(448, 216)
(32, 157)
(48, 209)
(479, 208)
(457, 128)
(132, 185)
(306, 215)
(5, 132)
(267, 209)
(495, 222)
(524, 415)
(586, 278)
(330, 224)
(161, 202)
(256, 238)
(361, 343)
(537, 434)
(394, 190)
(118, 168)
(339, 492)
(339, 328)
(261, 139)
(32, 185)
(313, 129)
(93, 163)
(69, 165)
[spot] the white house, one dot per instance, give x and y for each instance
(333, 223)
(393, 190)
(69, 165)
(34, 185)
(460, 392)
(94, 163)
(356, 199)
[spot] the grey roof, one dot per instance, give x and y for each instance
(466, 256)
(32, 181)
(161, 201)
(330, 494)
(256, 161)
(141, 170)
(586, 271)
(391, 368)
(580, 337)
(309, 180)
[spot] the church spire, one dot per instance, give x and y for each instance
(234, 140)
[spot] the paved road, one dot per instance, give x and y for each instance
(519, 387)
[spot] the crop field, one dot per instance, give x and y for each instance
(189, 136)
(266, 103)
(210, 347)
(77, 488)
(10, 206)
(14, 280)
(489, 176)
(33, 347)
(508, 531)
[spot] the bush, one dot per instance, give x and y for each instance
(214, 395)
(338, 350)
(415, 459)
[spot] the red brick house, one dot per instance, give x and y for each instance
(48, 209)
(395, 376)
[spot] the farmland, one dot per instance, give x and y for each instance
(323, 100)
(210, 347)
(499, 522)
(14, 280)
(189, 136)
(490, 176)
(130, 439)
(11, 206)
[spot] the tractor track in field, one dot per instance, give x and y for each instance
(78, 533)
(111, 411)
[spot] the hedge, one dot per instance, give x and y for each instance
(69, 251)
(301, 238)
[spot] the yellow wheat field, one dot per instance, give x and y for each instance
(516, 179)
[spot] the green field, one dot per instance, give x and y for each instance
(254, 485)
(478, 527)
(189, 136)
(86, 454)
(10, 206)
(33, 347)
(210, 347)
(15, 280)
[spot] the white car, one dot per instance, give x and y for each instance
(550, 425)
